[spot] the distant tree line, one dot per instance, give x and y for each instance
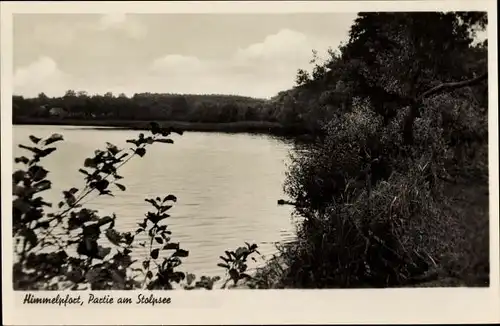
(152, 106)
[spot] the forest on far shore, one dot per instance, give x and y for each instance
(111, 110)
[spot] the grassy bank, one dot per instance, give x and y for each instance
(465, 200)
(230, 127)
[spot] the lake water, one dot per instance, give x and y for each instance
(227, 187)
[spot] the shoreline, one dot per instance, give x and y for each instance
(260, 127)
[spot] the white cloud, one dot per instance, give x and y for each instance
(178, 64)
(279, 46)
(43, 75)
(261, 69)
(120, 21)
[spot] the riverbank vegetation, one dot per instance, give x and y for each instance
(396, 193)
(393, 191)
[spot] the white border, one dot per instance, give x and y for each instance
(446, 305)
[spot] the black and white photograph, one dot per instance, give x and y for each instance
(250, 151)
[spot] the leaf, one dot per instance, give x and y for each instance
(113, 236)
(42, 185)
(18, 176)
(233, 273)
(46, 151)
(181, 253)
(102, 252)
(171, 246)
(120, 186)
(159, 240)
(149, 275)
(37, 172)
(100, 185)
(83, 171)
(105, 220)
(107, 192)
(21, 205)
(240, 251)
(35, 139)
(123, 156)
(53, 138)
(30, 238)
(190, 278)
(112, 148)
(129, 238)
(92, 275)
(154, 253)
(75, 276)
(166, 141)
(170, 197)
(141, 151)
(38, 201)
(154, 218)
(43, 225)
(89, 163)
(70, 199)
(145, 264)
(223, 265)
(117, 278)
(22, 159)
(18, 190)
(178, 276)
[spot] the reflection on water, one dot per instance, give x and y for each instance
(227, 187)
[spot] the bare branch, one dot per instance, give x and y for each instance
(414, 108)
(453, 85)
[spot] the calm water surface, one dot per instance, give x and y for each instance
(227, 187)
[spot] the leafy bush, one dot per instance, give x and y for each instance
(75, 248)
(374, 208)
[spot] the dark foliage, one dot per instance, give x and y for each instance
(404, 115)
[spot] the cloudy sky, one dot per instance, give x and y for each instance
(247, 54)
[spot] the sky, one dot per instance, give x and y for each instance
(244, 54)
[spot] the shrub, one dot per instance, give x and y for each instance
(374, 209)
